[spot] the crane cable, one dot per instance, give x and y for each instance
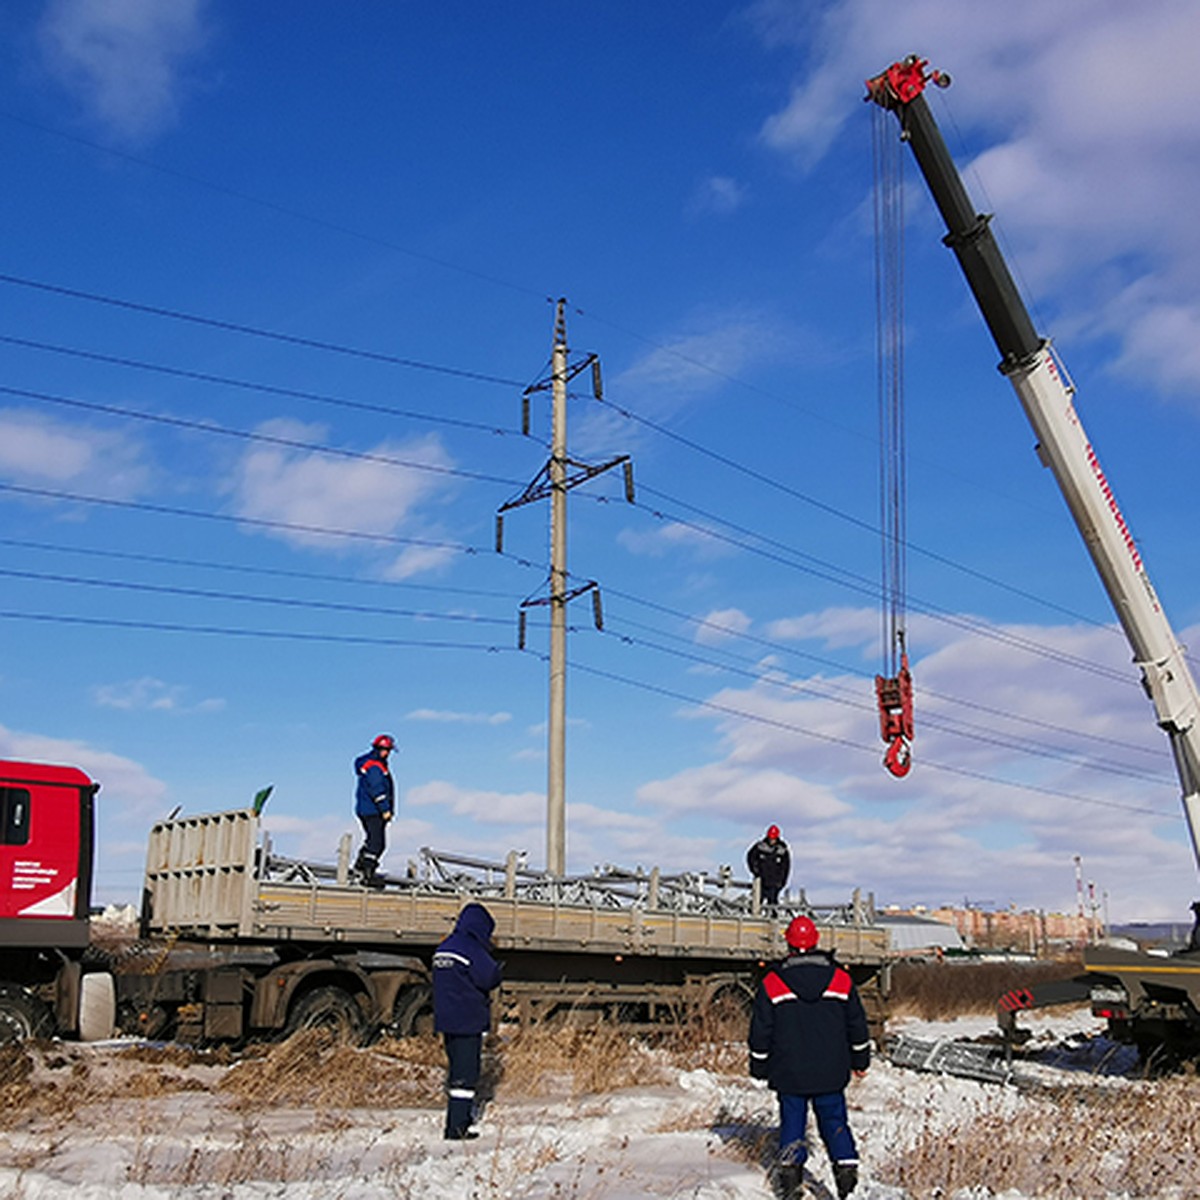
(893, 688)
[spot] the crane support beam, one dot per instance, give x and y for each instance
(1062, 444)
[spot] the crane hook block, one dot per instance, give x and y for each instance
(895, 699)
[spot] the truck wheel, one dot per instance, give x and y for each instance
(22, 1016)
(332, 1009)
(412, 1014)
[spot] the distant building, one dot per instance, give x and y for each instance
(1025, 932)
(910, 935)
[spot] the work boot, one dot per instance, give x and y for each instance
(845, 1178)
(371, 878)
(789, 1181)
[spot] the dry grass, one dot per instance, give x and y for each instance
(1083, 1142)
(574, 1062)
(939, 991)
(311, 1070)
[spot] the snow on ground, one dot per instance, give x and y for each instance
(698, 1135)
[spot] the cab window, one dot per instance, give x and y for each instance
(14, 816)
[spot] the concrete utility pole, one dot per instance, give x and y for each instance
(556, 750)
(557, 477)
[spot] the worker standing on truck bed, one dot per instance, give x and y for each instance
(464, 973)
(808, 1032)
(770, 861)
(374, 805)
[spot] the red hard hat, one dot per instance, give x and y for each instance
(802, 934)
(384, 741)
(773, 832)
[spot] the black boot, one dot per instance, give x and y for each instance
(845, 1178)
(789, 1182)
(366, 867)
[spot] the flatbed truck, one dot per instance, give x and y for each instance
(236, 942)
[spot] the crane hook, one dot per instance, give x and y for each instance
(898, 758)
(895, 698)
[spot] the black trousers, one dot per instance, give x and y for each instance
(374, 843)
(464, 1055)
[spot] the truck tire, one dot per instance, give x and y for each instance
(97, 1007)
(22, 1015)
(412, 1014)
(332, 1009)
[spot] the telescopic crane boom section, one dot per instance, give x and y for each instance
(1062, 445)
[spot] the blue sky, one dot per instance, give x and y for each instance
(276, 275)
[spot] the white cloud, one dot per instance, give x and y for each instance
(128, 788)
(1088, 179)
(130, 799)
(702, 360)
(718, 195)
(148, 694)
(491, 808)
(320, 491)
(40, 451)
(1021, 761)
(833, 626)
(721, 626)
(458, 718)
(757, 795)
(419, 560)
(670, 537)
(124, 59)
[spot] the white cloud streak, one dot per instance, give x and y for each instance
(38, 450)
(1020, 763)
(307, 488)
(1093, 155)
(125, 60)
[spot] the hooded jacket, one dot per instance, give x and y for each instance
(808, 1029)
(464, 972)
(375, 795)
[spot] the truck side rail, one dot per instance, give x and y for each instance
(215, 877)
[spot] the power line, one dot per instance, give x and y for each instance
(848, 579)
(698, 622)
(391, 539)
(412, 363)
(857, 747)
(658, 689)
(209, 427)
(951, 727)
(245, 598)
(229, 631)
(272, 205)
(266, 388)
(290, 339)
(840, 514)
(256, 569)
(824, 570)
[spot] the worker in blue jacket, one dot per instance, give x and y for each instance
(464, 974)
(374, 805)
(808, 1033)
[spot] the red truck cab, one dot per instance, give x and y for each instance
(47, 838)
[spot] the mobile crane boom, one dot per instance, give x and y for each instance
(1046, 396)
